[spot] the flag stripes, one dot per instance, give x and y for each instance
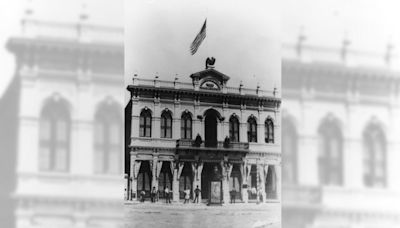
(199, 39)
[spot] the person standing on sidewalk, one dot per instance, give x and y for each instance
(167, 195)
(153, 195)
(187, 195)
(196, 193)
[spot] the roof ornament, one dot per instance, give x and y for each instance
(210, 62)
(83, 16)
(345, 44)
(388, 54)
(301, 38)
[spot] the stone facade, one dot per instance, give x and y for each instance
(69, 80)
(340, 128)
(246, 156)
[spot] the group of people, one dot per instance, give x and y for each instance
(154, 195)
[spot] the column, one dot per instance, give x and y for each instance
(199, 171)
(245, 197)
(154, 179)
(260, 132)
(262, 182)
(243, 132)
(278, 181)
(225, 183)
(156, 126)
(131, 177)
(176, 124)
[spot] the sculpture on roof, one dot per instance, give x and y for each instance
(210, 62)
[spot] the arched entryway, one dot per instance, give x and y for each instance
(144, 178)
(165, 178)
(186, 180)
(207, 175)
(235, 181)
(210, 128)
(270, 183)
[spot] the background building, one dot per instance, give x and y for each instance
(340, 128)
(69, 137)
(240, 128)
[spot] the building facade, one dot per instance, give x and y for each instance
(179, 133)
(340, 138)
(69, 159)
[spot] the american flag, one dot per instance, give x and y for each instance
(199, 38)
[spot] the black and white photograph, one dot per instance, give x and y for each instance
(199, 113)
(202, 120)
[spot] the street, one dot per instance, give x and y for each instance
(200, 215)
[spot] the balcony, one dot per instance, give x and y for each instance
(212, 145)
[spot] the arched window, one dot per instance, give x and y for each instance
(186, 126)
(330, 153)
(374, 156)
(54, 137)
(269, 130)
(289, 151)
(252, 129)
(108, 140)
(234, 129)
(145, 123)
(166, 125)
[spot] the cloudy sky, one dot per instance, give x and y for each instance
(243, 36)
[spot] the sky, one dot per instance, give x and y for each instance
(243, 36)
(238, 32)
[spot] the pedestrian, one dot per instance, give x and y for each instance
(142, 194)
(187, 196)
(233, 196)
(167, 195)
(153, 195)
(196, 194)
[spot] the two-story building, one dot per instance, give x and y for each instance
(179, 133)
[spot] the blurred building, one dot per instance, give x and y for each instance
(340, 138)
(69, 160)
(183, 135)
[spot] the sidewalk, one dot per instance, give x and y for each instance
(173, 215)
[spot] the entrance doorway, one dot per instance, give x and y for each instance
(235, 182)
(144, 179)
(206, 176)
(211, 128)
(270, 183)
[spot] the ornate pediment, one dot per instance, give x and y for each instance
(209, 78)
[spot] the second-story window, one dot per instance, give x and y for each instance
(269, 131)
(166, 125)
(252, 129)
(145, 123)
(234, 129)
(374, 156)
(186, 126)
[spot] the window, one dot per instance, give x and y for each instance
(54, 137)
(186, 126)
(252, 129)
(269, 131)
(374, 157)
(330, 154)
(166, 125)
(234, 129)
(145, 123)
(108, 140)
(289, 151)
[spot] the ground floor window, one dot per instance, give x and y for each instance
(144, 179)
(165, 179)
(270, 183)
(186, 179)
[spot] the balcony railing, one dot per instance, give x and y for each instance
(220, 145)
